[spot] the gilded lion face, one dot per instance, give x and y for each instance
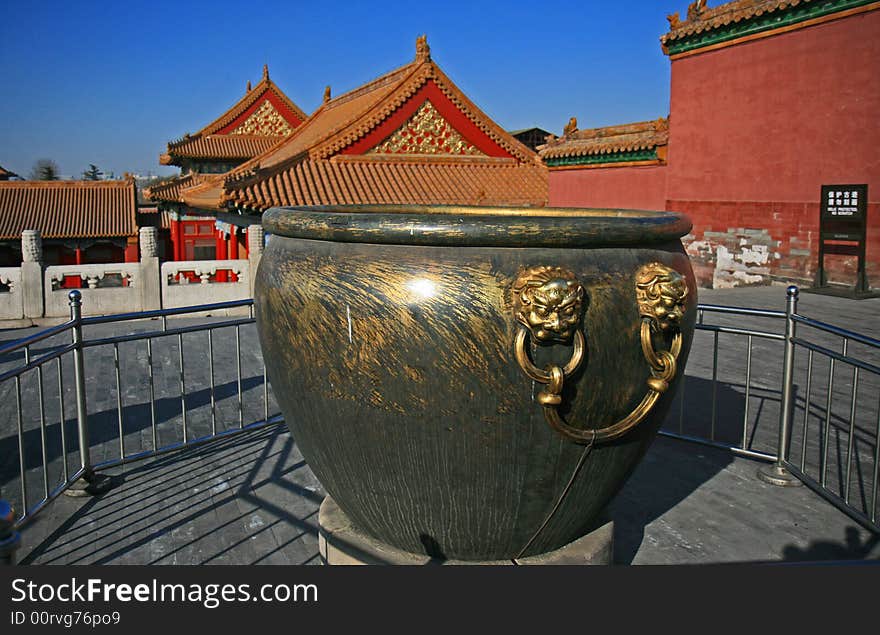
(661, 293)
(548, 301)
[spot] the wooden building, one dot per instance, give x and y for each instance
(408, 137)
(259, 121)
(80, 222)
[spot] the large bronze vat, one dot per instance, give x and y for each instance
(474, 383)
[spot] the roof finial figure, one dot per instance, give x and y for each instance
(674, 20)
(248, 89)
(265, 71)
(327, 94)
(695, 9)
(423, 51)
(571, 127)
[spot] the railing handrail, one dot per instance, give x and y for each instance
(836, 330)
(846, 359)
(144, 315)
(36, 337)
(196, 328)
(738, 310)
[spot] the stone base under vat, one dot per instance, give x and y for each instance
(340, 543)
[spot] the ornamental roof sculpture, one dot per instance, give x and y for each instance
(68, 209)
(705, 26)
(408, 137)
(642, 142)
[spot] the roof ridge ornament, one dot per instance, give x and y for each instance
(571, 127)
(423, 51)
(695, 9)
(265, 71)
(248, 88)
(327, 93)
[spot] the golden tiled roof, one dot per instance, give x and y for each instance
(311, 167)
(171, 189)
(381, 180)
(702, 18)
(215, 146)
(253, 95)
(68, 209)
(214, 141)
(632, 137)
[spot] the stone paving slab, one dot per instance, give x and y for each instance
(253, 500)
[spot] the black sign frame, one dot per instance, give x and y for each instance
(843, 216)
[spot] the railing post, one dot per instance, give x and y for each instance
(778, 474)
(10, 540)
(90, 483)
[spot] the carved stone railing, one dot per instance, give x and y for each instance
(34, 290)
(109, 288)
(191, 282)
(11, 307)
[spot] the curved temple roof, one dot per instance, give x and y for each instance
(68, 209)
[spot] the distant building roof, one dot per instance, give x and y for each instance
(68, 209)
(263, 117)
(410, 136)
(627, 143)
(6, 175)
(531, 137)
(706, 26)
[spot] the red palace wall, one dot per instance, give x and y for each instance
(757, 128)
(637, 187)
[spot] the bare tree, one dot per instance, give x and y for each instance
(45, 170)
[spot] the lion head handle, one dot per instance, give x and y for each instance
(549, 302)
(661, 293)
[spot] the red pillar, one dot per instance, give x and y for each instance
(233, 245)
(175, 239)
(221, 255)
(79, 259)
(131, 249)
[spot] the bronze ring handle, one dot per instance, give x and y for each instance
(660, 293)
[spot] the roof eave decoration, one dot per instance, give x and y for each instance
(265, 91)
(707, 26)
(642, 143)
(325, 146)
(424, 71)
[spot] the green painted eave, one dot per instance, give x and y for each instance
(615, 157)
(767, 22)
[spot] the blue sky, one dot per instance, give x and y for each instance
(112, 83)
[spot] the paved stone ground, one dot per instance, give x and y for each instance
(252, 499)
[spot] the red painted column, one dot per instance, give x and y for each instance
(78, 252)
(221, 255)
(233, 250)
(131, 250)
(233, 245)
(175, 239)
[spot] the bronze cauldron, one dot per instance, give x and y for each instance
(474, 382)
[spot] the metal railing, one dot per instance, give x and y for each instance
(729, 405)
(833, 444)
(835, 447)
(741, 393)
(119, 421)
